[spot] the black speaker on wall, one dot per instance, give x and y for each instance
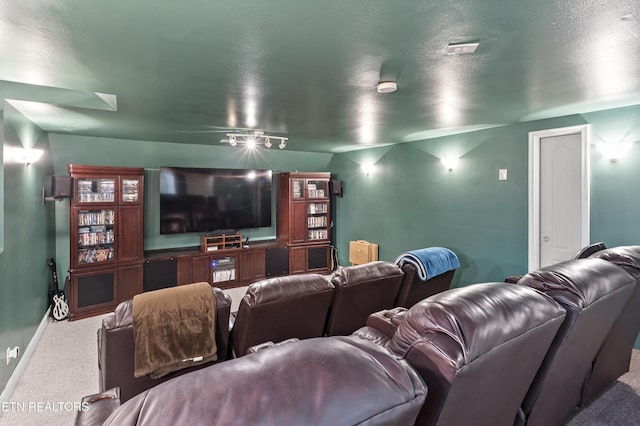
(336, 187)
(61, 187)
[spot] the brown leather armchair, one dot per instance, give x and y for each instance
(614, 357)
(280, 308)
(593, 292)
(361, 290)
(321, 381)
(116, 348)
(460, 344)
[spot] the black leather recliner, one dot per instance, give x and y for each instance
(277, 309)
(614, 356)
(593, 292)
(320, 381)
(361, 290)
(477, 348)
(116, 348)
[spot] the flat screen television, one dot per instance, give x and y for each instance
(212, 199)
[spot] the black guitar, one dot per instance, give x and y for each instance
(59, 307)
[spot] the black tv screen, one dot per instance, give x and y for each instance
(207, 199)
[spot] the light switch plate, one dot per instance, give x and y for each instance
(502, 174)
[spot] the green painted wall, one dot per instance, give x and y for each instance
(28, 239)
(411, 201)
(152, 155)
(615, 201)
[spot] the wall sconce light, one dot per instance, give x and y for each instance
(254, 140)
(367, 168)
(22, 155)
(449, 161)
(614, 151)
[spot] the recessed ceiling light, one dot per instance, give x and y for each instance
(387, 87)
(459, 48)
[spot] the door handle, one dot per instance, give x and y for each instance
(545, 239)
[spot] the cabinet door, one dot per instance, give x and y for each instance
(90, 190)
(251, 265)
(298, 222)
(318, 259)
(297, 260)
(129, 281)
(131, 189)
(92, 236)
(185, 271)
(92, 292)
(130, 240)
(201, 271)
(318, 220)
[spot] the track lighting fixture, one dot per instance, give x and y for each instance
(253, 140)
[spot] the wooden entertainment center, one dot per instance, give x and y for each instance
(108, 264)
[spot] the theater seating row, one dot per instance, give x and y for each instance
(301, 306)
(529, 352)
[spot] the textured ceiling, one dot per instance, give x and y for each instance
(192, 71)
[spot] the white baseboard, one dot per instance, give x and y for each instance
(24, 360)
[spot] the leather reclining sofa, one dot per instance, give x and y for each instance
(531, 352)
(297, 306)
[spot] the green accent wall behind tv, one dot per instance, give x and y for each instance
(151, 156)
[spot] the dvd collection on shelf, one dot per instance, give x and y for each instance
(318, 234)
(314, 192)
(317, 222)
(129, 190)
(98, 254)
(297, 188)
(96, 217)
(95, 235)
(317, 208)
(96, 190)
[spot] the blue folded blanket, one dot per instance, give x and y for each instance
(430, 261)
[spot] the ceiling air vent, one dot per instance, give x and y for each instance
(460, 48)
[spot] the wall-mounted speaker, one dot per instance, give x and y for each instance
(61, 187)
(336, 187)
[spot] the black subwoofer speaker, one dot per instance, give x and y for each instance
(276, 261)
(160, 274)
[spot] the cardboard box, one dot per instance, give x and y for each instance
(362, 251)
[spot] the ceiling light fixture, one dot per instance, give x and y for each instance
(387, 87)
(253, 140)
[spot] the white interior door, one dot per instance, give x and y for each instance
(560, 220)
(558, 195)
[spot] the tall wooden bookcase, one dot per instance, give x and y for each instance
(106, 238)
(304, 220)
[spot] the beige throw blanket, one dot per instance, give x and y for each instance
(173, 328)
